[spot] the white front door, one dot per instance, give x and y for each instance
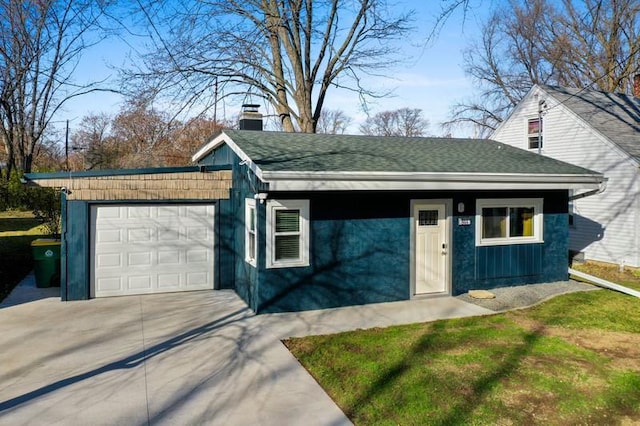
(431, 248)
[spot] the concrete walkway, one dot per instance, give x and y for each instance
(188, 358)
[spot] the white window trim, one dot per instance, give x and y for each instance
(529, 135)
(249, 208)
(303, 207)
(538, 231)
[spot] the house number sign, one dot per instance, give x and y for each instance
(464, 221)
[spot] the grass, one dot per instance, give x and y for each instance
(628, 277)
(572, 360)
(17, 230)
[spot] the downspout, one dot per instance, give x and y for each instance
(604, 283)
(600, 190)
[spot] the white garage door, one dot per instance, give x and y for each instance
(139, 249)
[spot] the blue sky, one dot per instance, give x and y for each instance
(431, 78)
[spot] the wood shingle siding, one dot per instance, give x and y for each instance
(156, 186)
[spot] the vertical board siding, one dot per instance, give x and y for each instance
(508, 261)
(359, 254)
(77, 249)
(353, 262)
(497, 266)
(360, 251)
(235, 272)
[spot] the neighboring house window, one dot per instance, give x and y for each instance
(287, 233)
(508, 221)
(534, 133)
(251, 235)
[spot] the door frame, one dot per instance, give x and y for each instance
(448, 210)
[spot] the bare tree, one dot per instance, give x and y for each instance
(92, 146)
(407, 122)
(290, 52)
(333, 121)
(40, 45)
(590, 43)
(49, 153)
(188, 137)
(143, 132)
(138, 136)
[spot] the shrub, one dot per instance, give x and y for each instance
(44, 202)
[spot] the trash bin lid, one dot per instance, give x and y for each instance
(45, 242)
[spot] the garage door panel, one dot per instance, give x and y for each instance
(139, 235)
(139, 259)
(113, 285)
(140, 282)
(195, 279)
(136, 212)
(168, 257)
(109, 236)
(149, 249)
(169, 211)
(197, 234)
(169, 281)
(169, 234)
(109, 260)
(109, 212)
(197, 256)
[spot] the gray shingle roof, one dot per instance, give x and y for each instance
(303, 152)
(616, 116)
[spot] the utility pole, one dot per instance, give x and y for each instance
(215, 105)
(66, 147)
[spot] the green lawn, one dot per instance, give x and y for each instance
(572, 360)
(17, 230)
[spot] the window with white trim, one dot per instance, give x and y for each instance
(287, 233)
(534, 132)
(508, 221)
(251, 231)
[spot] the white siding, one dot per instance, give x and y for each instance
(606, 225)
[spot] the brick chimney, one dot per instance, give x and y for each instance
(636, 85)
(251, 118)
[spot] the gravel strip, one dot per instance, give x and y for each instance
(522, 296)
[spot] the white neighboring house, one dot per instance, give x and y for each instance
(599, 131)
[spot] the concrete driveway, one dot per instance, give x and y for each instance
(187, 358)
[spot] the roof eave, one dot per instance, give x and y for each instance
(329, 181)
(215, 142)
(221, 139)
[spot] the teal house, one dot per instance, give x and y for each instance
(295, 221)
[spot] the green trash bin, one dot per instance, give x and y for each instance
(46, 253)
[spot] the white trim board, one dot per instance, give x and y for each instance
(322, 181)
